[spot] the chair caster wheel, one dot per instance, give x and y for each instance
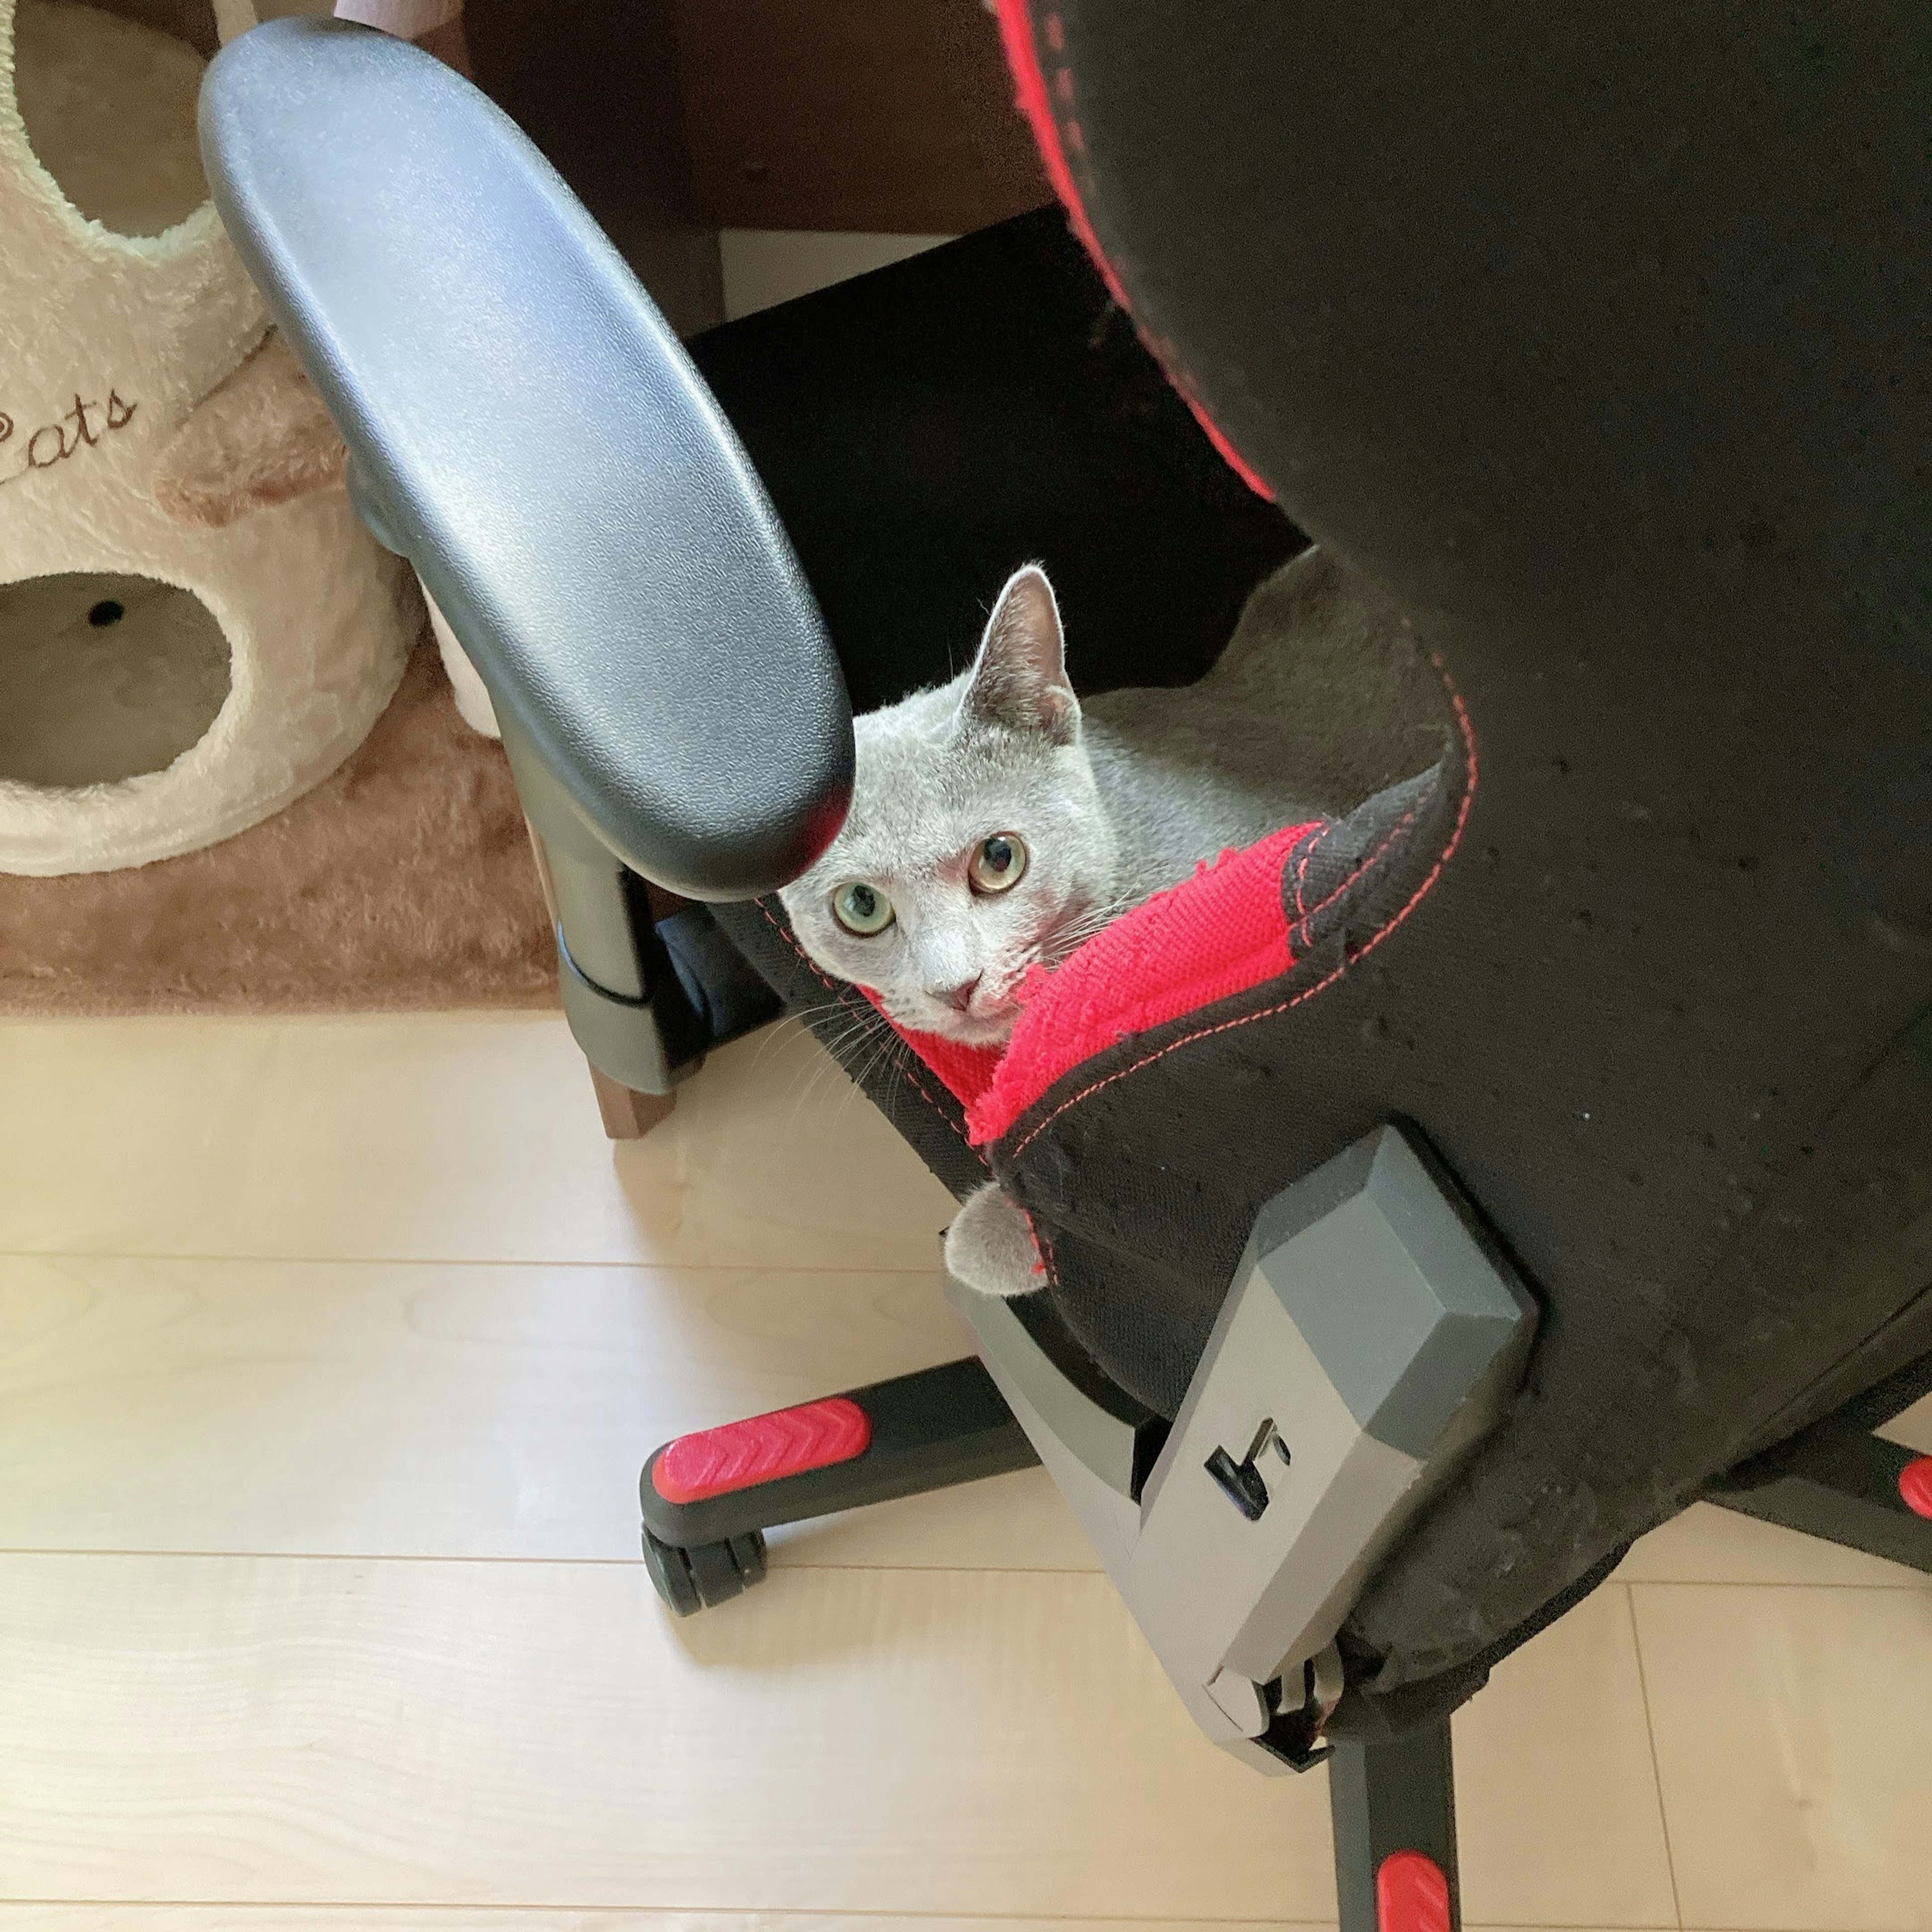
(710, 1573)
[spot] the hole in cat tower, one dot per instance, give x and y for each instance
(107, 96)
(104, 677)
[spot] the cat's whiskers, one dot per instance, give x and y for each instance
(887, 1052)
(854, 1048)
(1055, 947)
(811, 1080)
(828, 1039)
(798, 1027)
(845, 1044)
(789, 1028)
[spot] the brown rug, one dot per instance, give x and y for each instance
(405, 881)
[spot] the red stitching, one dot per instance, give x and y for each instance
(1032, 1234)
(838, 987)
(791, 938)
(1467, 730)
(1301, 877)
(1057, 136)
(1369, 864)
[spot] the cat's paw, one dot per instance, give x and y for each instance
(990, 1245)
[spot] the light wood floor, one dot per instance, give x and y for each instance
(329, 1351)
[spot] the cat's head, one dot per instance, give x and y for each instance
(976, 844)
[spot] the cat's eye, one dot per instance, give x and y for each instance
(998, 863)
(861, 908)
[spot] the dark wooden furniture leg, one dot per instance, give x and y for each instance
(628, 1115)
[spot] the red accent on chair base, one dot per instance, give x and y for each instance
(741, 1455)
(1411, 1894)
(1915, 1486)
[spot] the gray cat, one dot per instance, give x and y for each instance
(997, 821)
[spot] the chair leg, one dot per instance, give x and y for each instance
(1839, 1481)
(627, 1114)
(1393, 1800)
(1844, 1484)
(709, 1498)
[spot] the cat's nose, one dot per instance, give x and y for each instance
(958, 997)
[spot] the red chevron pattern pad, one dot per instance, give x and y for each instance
(740, 1455)
(1411, 1894)
(1915, 1486)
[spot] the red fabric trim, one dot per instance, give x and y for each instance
(1023, 57)
(1054, 137)
(1184, 388)
(1218, 934)
(1415, 898)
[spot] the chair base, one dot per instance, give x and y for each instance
(929, 1430)
(1393, 1801)
(1392, 1797)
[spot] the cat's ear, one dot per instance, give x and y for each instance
(1019, 680)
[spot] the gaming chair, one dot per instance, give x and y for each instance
(1430, 1199)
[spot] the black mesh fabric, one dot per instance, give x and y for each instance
(924, 430)
(1144, 1228)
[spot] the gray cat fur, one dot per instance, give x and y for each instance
(1117, 797)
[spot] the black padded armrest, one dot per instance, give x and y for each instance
(524, 428)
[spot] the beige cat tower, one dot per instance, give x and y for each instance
(194, 628)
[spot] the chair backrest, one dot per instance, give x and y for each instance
(1597, 337)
